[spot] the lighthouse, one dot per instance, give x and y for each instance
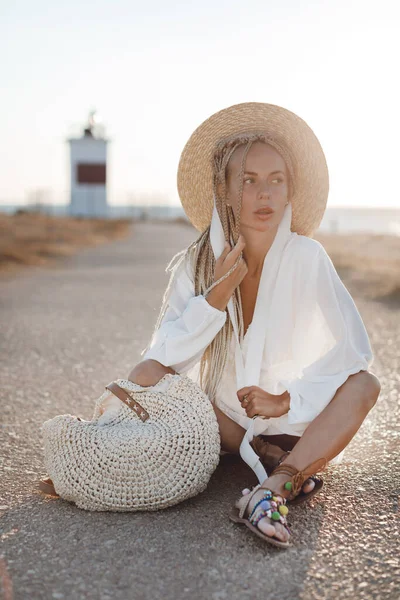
(88, 170)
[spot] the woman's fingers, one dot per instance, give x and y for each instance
(229, 259)
(236, 250)
(225, 252)
(250, 409)
(244, 392)
(231, 255)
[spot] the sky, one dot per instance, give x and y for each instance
(156, 70)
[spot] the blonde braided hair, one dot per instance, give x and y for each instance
(201, 258)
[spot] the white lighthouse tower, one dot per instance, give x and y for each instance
(88, 159)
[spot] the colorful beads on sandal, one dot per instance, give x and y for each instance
(263, 513)
(273, 507)
(288, 486)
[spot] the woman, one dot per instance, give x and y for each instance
(277, 343)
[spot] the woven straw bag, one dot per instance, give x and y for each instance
(156, 448)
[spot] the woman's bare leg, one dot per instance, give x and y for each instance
(231, 433)
(336, 425)
(327, 435)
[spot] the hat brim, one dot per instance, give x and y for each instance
(195, 176)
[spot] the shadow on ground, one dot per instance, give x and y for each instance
(68, 552)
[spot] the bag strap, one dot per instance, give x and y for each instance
(128, 400)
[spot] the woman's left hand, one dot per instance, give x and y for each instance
(256, 401)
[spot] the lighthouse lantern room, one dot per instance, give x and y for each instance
(88, 161)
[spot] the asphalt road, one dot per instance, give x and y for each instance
(68, 330)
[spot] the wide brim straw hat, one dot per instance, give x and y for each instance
(311, 178)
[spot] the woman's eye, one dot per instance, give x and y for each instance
(279, 179)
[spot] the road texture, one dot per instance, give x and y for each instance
(67, 331)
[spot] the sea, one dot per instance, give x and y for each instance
(361, 220)
(335, 220)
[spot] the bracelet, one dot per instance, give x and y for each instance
(208, 290)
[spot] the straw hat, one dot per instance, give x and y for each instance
(195, 173)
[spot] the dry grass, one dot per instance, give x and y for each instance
(28, 238)
(370, 262)
(366, 262)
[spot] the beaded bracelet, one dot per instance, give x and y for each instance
(208, 290)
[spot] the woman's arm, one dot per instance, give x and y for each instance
(188, 327)
(192, 322)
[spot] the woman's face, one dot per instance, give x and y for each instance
(265, 184)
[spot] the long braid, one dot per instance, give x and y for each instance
(200, 255)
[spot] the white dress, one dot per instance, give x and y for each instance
(306, 336)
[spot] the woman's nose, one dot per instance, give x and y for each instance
(264, 191)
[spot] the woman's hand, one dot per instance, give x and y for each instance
(221, 294)
(256, 401)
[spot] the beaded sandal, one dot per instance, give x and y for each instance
(273, 505)
(260, 446)
(297, 496)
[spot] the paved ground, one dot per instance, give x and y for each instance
(65, 333)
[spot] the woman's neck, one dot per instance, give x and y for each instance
(257, 246)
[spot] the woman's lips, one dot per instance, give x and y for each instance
(263, 215)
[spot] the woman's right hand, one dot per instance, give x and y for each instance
(221, 294)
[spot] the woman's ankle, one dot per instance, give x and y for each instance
(277, 484)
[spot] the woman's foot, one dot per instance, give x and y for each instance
(272, 455)
(267, 525)
(46, 486)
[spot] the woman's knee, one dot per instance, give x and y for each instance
(369, 388)
(374, 388)
(148, 372)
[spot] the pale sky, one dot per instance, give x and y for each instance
(156, 70)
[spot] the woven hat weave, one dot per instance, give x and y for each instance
(119, 462)
(311, 178)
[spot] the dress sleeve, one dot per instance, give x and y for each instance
(188, 327)
(330, 341)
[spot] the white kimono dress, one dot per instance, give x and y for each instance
(306, 336)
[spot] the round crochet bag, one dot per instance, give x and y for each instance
(152, 447)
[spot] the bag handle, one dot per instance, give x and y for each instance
(128, 400)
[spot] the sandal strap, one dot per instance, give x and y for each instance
(263, 513)
(267, 513)
(298, 477)
(248, 497)
(283, 457)
(267, 498)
